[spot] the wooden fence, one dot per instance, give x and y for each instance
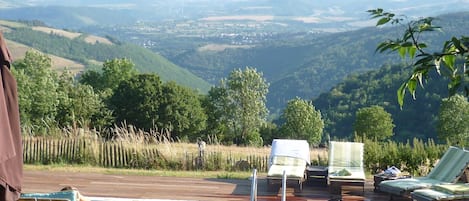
(127, 155)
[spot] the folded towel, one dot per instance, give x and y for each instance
(393, 171)
(344, 172)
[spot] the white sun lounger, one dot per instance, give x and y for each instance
(291, 156)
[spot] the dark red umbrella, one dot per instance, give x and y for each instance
(11, 148)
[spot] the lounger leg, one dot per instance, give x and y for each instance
(272, 187)
(299, 187)
(335, 188)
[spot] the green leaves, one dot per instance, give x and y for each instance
(136, 101)
(302, 121)
(449, 61)
(411, 51)
(48, 100)
(181, 110)
(402, 52)
(38, 90)
(242, 108)
(373, 123)
(383, 20)
(410, 46)
(385, 17)
(453, 117)
(401, 94)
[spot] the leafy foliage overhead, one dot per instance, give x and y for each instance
(411, 45)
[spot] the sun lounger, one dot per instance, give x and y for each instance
(291, 156)
(42, 199)
(448, 170)
(442, 192)
(345, 165)
(70, 195)
(294, 167)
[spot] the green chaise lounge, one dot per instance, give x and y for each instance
(345, 166)
(69, 195)
(459, 191)
(448, 170)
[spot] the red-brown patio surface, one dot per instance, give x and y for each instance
(176, 188)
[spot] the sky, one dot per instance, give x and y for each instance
(352, 12)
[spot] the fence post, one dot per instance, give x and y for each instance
(201, 146)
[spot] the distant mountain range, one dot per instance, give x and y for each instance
(80, 13)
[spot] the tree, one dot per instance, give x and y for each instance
(444, 62)
(243, 105)
(302, 121)
(37, 91)
(113, 72)
(215, 103)
(181, 111)
(269, 132)
(373, 123)
(453, 124)
(79, 105)
(136, 101)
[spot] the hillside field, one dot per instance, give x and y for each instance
(18, 51)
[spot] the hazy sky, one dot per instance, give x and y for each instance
(308, 11)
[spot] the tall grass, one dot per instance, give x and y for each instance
(132, 148)
(127, 147)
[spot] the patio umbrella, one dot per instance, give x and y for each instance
(11, 148)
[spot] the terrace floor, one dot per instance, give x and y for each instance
(175, 188)
(320, 192)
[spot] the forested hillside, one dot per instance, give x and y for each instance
(78, 49)
(316, 66)
(417, 118)
(70, 17)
